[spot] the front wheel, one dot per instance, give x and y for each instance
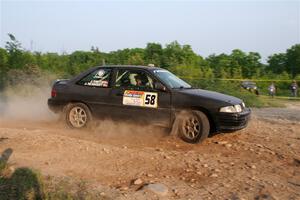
(77, 115)
(193, 126)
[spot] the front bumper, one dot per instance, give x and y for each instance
(229, 122)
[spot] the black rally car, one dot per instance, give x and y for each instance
(147, 95)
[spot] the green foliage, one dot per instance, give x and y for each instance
(3, 66)
(175, 54)
(236, 65)
(277, 63)
(18, 66)
(154, 54)
(27, 184)
(293, 60)
(233, 88)
(187, 71)
(13, 45)
(288, 62)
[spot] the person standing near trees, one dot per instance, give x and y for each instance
(272, 89)
(294, 88)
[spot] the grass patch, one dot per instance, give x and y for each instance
(271, 102)
(28, 184)
(21, 184)
(233, 88)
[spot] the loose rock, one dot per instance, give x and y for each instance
(157, 188)
(138, 181)
(124, 188)
(222, 142)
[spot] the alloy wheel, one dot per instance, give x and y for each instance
(77, 117)
(191, 127)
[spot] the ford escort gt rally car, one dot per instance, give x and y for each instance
(146, 95)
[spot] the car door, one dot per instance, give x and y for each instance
(135, 98)
(94, 89)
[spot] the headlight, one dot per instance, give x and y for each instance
(238, 108)
(231, 109)
(243, 104)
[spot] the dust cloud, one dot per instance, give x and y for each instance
(25, 102)
(127, 130)
(26, 106)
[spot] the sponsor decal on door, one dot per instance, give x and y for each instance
(140, 98)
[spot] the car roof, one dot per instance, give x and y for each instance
(83, 74)
(130, 66)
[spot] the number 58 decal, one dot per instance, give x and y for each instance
(140, 98)
(150, 99)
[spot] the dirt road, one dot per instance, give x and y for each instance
(260, 162)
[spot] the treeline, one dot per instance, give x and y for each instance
(15, 62)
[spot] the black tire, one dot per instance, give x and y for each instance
(193, 126)
(82, 118)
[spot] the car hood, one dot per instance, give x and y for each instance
(206, 94)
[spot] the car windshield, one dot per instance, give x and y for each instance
(171, 80)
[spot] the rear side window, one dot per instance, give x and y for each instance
(98, 78)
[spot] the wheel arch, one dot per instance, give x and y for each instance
(208, 114)
(78, 101)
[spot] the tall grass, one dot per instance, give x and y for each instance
(234, 88)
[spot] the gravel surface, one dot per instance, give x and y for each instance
(128, 162)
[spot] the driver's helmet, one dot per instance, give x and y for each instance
(141, 77)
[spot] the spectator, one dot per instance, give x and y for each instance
(272, 89)
(294, 88)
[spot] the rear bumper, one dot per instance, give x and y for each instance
(55, 106)
(229, 122)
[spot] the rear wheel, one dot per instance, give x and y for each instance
(193, 126)
(77, 115)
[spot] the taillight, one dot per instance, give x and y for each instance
(53, 93)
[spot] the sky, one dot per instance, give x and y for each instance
(263, 26)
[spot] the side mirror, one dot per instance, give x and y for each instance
(159, 86)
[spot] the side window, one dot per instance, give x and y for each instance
(134, 79)
(98, 78)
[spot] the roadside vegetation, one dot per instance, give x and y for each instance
(28, 184)
(222, 72)
(233, 88)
